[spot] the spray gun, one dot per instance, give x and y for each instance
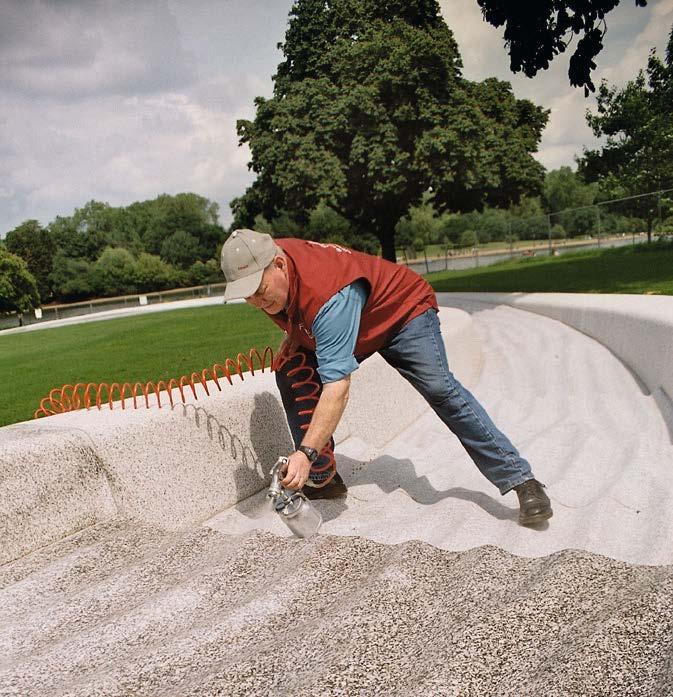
(294, 509)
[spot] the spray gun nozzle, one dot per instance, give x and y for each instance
(292, 506)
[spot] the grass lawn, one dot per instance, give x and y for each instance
(170, 344)
(620, 270)
(146, 347)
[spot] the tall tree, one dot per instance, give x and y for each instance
(536, 32)
(638, 153)
(190, 213)
(72, 278)
(18, 288)
(181, 249)
(114, 272)
(564, 189)
(36, 246)
(370, 112)
(85, 233)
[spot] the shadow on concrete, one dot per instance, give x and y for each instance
(665, 404)
(390, 473)
(268, 433)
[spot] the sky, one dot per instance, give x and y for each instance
(122, 101)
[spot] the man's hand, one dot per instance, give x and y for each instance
(296, 473)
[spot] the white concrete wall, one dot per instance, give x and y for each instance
(638, 329)
(175, 467)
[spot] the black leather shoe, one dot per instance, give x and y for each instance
(534, 504)
(334, 490)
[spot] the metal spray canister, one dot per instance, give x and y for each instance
(294, 509)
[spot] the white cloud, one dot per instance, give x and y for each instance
(102, 100)
(653, 35)
(481, 45)
(70, 50)
(119, 151)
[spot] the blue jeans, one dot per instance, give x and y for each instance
(417, 353)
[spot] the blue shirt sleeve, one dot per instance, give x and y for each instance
(335, 329)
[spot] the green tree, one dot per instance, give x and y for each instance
(637, 156)
(421, 223)
(529, 221)
(370, 111)
(114, 272)
(513, 131)
(71, 278)
(326, 224)
(558, 232)
(36, 246)
(261, 224)
(18, 287)
(451, 225)
(493, 224)
(153, 273)
(536, 32)
(186, 212)
(200, 274)
(284, 225)
(563, 189)
(180, 249)
(122, 232)
(468, 238)
(76, 237)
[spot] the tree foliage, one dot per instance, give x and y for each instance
(564, 189)
(189, 213)
(536, 32)
(153, 273)
(103, 250)
(114, 272)
(636, 123)
(421, 224)
(180, 249)
(72, 278)
(36, 246)
(370, 111)
(18, 287)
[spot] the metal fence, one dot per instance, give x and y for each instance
(611, 223)
(476, 257)
(62, 311)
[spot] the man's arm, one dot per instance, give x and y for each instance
(325, 419)
(335, 329)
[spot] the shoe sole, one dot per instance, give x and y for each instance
(537, 518)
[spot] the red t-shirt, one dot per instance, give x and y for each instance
(317, 271)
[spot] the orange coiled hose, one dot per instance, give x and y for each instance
(95, 394)
(304, 375)
(87, 395)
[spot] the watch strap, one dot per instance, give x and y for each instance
(311, 453)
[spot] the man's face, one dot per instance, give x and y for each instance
(272, 294)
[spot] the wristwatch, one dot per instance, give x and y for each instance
(311, 453)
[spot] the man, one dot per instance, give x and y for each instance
(338, 306)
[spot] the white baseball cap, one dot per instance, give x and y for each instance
(245, 255)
